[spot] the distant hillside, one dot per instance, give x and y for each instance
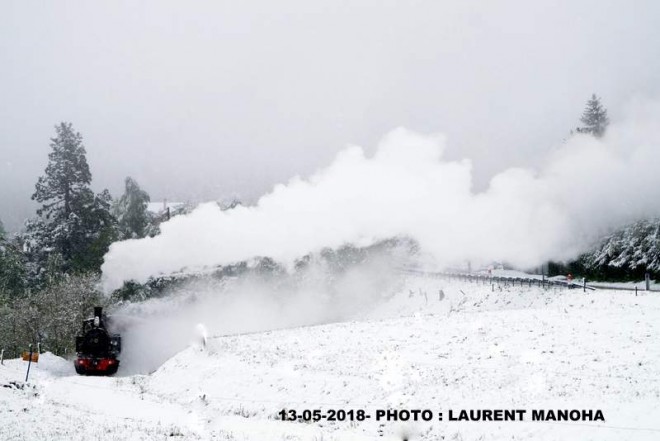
(627, 253)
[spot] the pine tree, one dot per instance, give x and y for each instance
(594, 118)
(131, 211)
(73, 223)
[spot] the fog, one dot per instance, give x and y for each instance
(211, 99)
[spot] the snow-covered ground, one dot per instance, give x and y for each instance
(653, 285)
(466, 348)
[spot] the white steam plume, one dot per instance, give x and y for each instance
(154, 330)
(586, 186)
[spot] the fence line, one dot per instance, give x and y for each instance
(510, 281)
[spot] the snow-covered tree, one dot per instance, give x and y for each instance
(67, 174)
(230, 204)
(594, 118)
(13, 283)
(51, 316)
(62, 308)
(72, 222)
(628, 252)
(12, 267)
(9, 340)
(13, 275)
(131, 211)
(99, 230)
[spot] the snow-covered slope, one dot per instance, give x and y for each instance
(467, 347)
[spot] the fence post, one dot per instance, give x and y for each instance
(29, 363)
(647, 279)
(543, 275)
(2, 356)
(635, 290)
(584, 284)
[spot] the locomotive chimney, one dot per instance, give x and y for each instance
(97, 311)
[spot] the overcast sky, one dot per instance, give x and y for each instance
(203, 100)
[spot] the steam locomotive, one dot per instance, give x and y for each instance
(96, 347)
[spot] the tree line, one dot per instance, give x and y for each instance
(49, 272)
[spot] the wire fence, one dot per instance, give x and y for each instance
(539, 281)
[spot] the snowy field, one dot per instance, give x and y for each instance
(471, 348)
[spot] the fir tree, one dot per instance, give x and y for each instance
(73, 223)
(594, 118)
(131, 212)
(67, 175)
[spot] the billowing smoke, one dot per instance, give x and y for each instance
(324, 290)
(585, 187)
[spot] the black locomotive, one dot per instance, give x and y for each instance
(97, 348)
